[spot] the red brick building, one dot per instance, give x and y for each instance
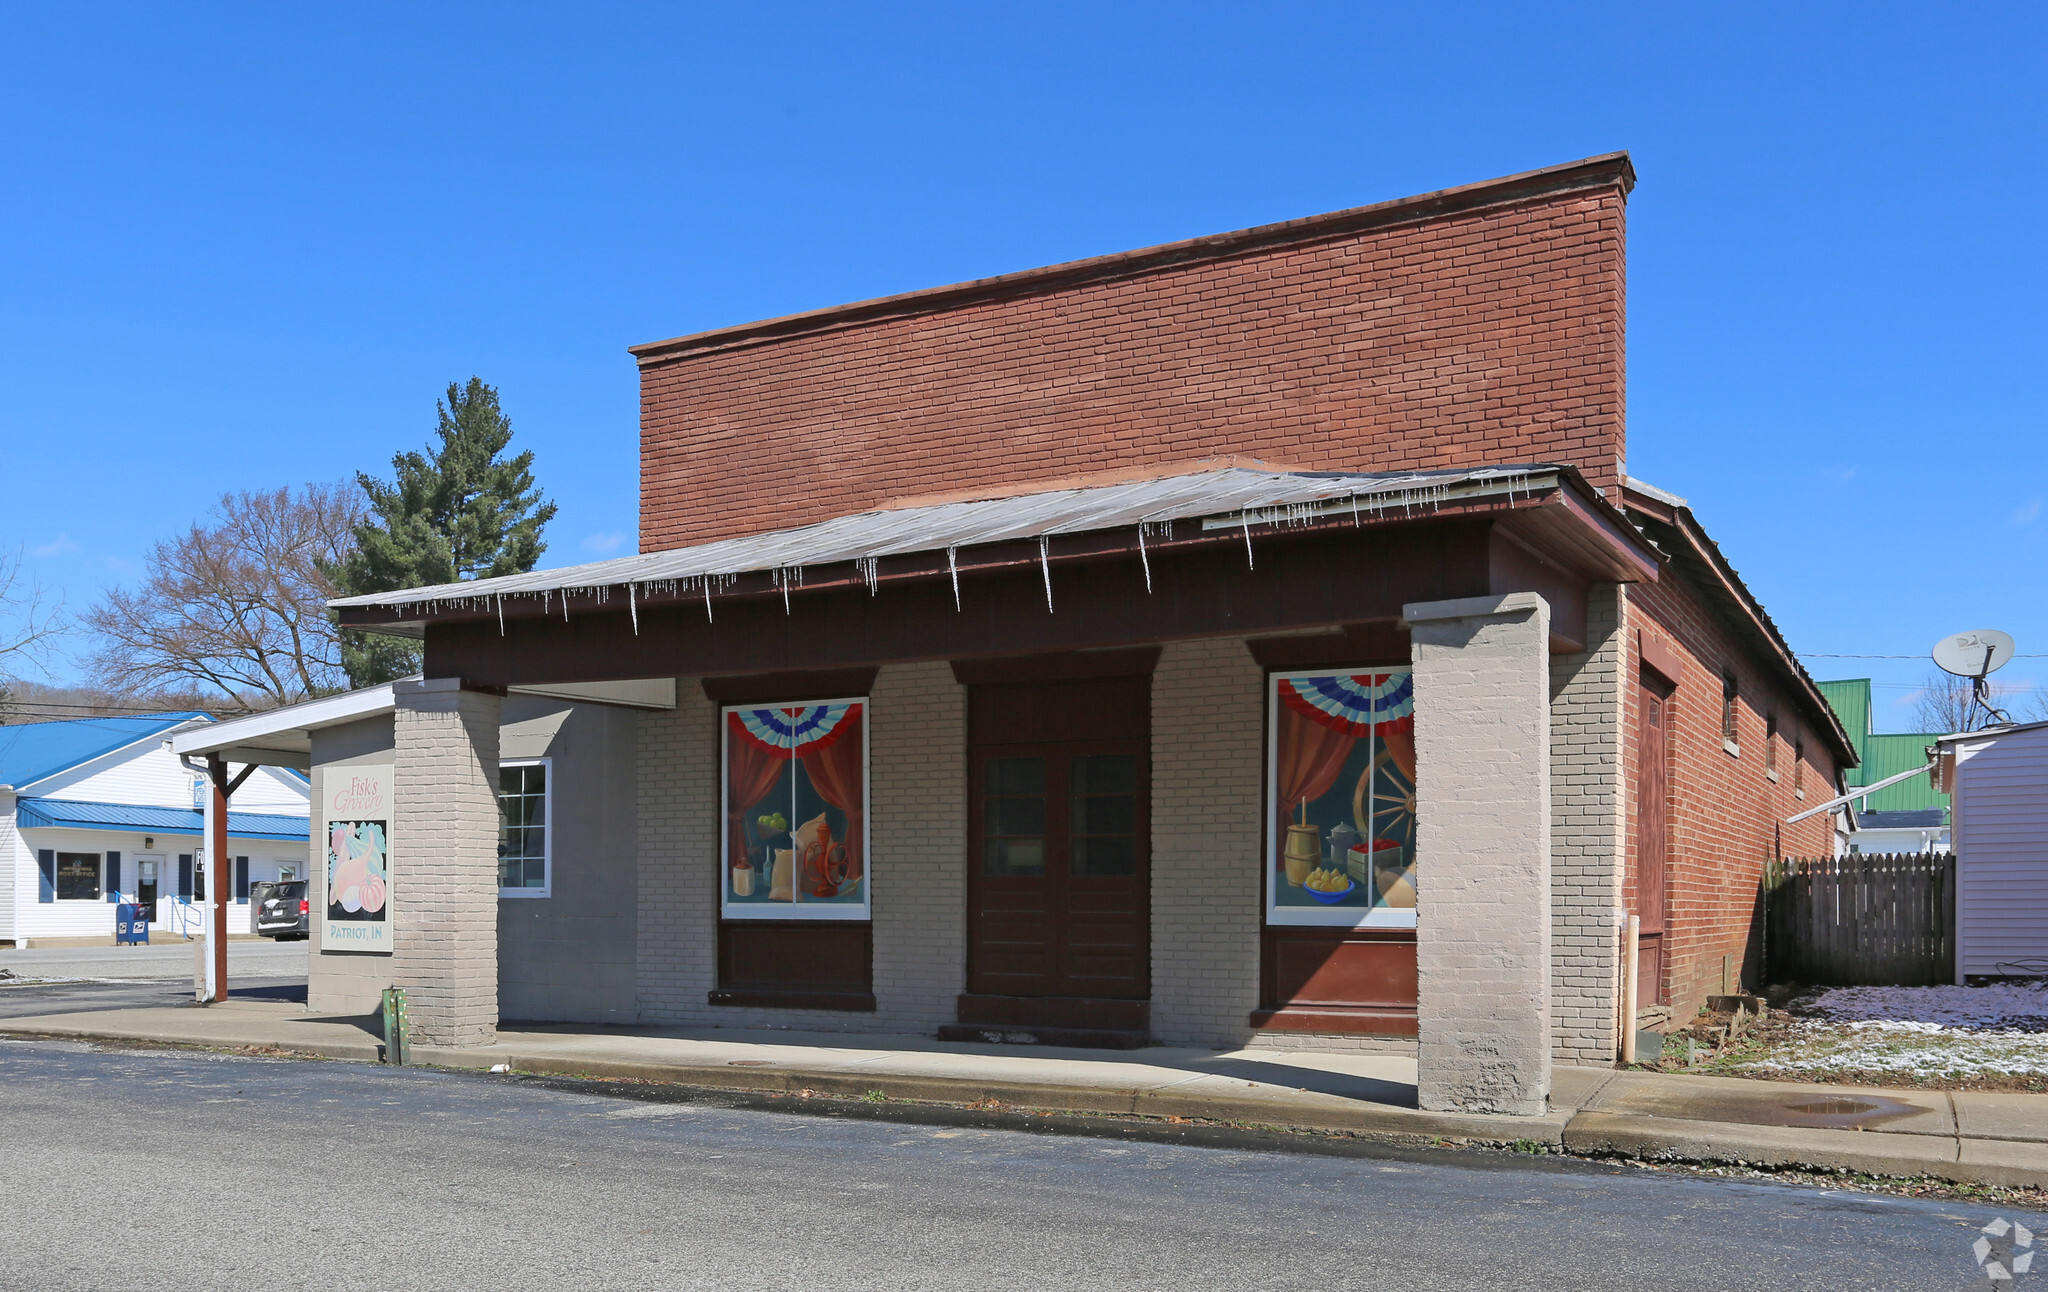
(1257, 636)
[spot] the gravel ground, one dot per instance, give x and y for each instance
(1936, 1038)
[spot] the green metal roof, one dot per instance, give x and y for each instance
(1851, 702)
(1888, 755)
(1881, 755)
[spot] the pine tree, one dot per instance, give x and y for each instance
(460, 514)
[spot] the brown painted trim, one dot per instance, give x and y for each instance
(1381, 643)
(1610, 170)
(1351, 1022)
(1658, 656)
(787, 688)
(849, 1001)
(1060, 666)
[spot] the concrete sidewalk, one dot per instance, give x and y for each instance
(1993, 1139)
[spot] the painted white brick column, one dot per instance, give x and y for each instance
(1482, 778)
(444, 860)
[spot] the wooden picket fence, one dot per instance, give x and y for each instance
(1863, 920)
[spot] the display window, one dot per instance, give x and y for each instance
(794, 782)
(1340, 794)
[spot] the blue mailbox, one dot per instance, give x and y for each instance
(131, 924)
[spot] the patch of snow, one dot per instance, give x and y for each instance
(2003, 1007)
(1999, 1030)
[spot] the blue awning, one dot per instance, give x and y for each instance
(31, 813)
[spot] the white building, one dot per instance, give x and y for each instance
(98, 811)
(1999, 780)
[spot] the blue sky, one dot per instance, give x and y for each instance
(248, 246)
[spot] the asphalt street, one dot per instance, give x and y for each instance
(160, 1169)
(57, 980)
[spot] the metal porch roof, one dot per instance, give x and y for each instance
(1223, 499)
(33, 813)
(36, 751)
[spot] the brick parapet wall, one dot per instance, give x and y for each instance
(1208, 708)
(1487, 336)
(917, 825)
(444, 853)
(1588, 838)
(1725, 815)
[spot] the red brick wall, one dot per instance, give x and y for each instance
(1486, 336)
(1723, 808)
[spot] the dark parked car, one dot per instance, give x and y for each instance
(278, 909)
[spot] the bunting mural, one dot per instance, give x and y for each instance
(795, 787)
(1341, 799)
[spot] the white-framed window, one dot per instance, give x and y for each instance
(1340, 798)
(793, 780)
(525, 829)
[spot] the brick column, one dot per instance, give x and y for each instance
(1482, 777)
(444, 860)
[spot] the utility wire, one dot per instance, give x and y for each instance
(1808, 654)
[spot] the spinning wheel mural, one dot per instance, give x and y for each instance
(1343, 796)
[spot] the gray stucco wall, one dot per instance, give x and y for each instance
(566, 957)
(570, 956)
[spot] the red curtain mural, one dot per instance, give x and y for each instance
(751, 770)
(1310, 755)
(1399, 740)
(835, 766)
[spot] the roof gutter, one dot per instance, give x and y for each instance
(1538, 487)
(1673, 511)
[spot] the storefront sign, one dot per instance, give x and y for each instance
(357, 804)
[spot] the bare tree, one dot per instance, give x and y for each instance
(31, 621)
(237, 608)
(1945, 703)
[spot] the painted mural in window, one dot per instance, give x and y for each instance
(795, 789)
(1340, 794)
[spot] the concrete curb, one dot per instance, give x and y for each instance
(369, 1051)
(1358, 1118)
(1961, 1161)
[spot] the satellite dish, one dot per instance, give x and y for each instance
(1973, 654)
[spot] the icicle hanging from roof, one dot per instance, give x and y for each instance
(1045, 564)
(953, 567)
(633, 608)
(870, 570)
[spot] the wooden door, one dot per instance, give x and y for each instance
(1059, 867)
(1652, 842)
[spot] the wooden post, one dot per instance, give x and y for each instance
(223, 789)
